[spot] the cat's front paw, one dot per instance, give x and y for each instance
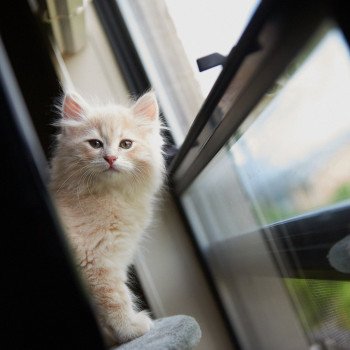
(140, 324)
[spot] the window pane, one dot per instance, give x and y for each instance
(300, 143)
(170, 35)
(279, 188)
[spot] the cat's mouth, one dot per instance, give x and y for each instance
(112, 170)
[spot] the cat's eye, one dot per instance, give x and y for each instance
(95, 143)
(126, 144)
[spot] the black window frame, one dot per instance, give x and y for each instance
(290, 24)
(44, 304)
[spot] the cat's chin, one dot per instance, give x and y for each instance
(112, 170)
(114, 174)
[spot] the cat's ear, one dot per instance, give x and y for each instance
(73, 106)
(147, 107)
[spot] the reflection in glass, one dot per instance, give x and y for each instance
(287, 164)
(301, 141)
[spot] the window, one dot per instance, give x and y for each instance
(170, 35)
(262, 174)
(288, 160)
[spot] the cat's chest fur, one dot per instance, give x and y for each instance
(105, 229)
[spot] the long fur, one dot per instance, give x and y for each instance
(105, 211)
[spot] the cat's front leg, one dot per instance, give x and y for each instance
(115, 307)
(136, 325)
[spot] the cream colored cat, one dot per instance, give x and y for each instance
(105, 172)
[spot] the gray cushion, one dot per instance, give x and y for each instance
(169, 333)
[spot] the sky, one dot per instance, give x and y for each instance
(207, 26)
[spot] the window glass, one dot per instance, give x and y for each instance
(262, 210)
(300, 143)
(171, 35)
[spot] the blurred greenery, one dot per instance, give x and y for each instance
(321, 301)
(273, 214)
(341, 194)
(273, 211)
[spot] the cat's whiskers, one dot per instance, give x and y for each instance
(135, 172)
(81, 181)
(137, 175)
(89, 182)
(73, 174)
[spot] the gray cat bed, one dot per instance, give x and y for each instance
(169, 333)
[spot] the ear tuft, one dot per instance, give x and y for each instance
(147, 106)
(73, 106)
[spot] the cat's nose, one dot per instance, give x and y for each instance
(110, 159)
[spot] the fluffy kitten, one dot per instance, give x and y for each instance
(105, 172)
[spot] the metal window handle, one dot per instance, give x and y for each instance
(216, 59)
(210, 61)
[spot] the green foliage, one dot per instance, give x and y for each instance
(275, 213)
(321, 301)
(341, 194)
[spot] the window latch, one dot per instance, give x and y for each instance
(216, 59)
(210, 61)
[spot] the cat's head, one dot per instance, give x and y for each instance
(108, 145)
